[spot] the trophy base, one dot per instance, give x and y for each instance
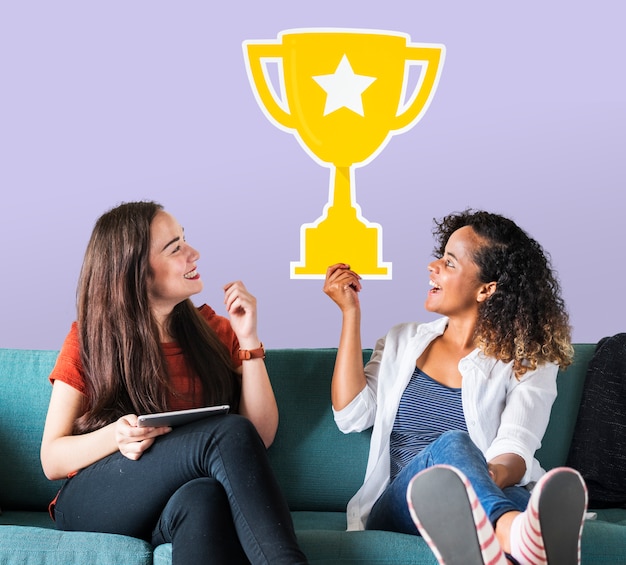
(341, 240)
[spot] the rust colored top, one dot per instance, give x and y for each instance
(69, 368)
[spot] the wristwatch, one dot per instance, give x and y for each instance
(258, 353)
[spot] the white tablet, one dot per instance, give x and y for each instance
(180, 417)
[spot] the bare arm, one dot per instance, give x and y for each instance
(507, 469)
(257, 402)
(343, 285)
(63, 453)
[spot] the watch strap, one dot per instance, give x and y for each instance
(258, 353)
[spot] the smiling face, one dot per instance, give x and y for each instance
(455, 287)
(173, 275)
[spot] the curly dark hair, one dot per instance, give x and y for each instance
(525, 319)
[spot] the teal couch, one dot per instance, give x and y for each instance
(319, 469)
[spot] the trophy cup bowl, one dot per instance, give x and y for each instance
(344, 137)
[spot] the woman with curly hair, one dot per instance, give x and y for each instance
(462, 403)
(140, 346)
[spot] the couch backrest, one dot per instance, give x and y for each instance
(558, 436)
(307, 433)
(318, 467)
(24, 395)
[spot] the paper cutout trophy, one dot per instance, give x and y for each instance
(343, 95)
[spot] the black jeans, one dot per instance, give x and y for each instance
(207, 487)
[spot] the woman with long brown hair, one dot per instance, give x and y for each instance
(469, 392)
(140, 346)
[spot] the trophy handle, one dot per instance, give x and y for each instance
(254, 53)
(433, 57)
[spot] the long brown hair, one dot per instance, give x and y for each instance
(125, 370)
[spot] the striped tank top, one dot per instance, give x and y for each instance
(427, 410)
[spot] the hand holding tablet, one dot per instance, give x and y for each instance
(180, 417)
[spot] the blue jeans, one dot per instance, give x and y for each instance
(455, 448)
(206, 487)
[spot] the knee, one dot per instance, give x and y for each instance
(199, 499)
(239, 433)
(240, 427)
(199, 489)
(457, 444)
(456, 438)
(229, 426)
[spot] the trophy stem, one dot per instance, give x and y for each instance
(341, 235)
(342, 198)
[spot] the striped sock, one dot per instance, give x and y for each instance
(526, 541)
(490, 548)
(565, 500)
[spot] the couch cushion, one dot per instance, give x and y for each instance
(347, 548)
(598, 448)
(22, 545)
(603, 543)
(325, 541)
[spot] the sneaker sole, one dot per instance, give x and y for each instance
(442, 512)
(562, 505)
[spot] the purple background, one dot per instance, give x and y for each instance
(103, 102)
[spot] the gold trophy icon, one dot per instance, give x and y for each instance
(343, 94)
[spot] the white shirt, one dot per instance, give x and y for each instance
(503, 414)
